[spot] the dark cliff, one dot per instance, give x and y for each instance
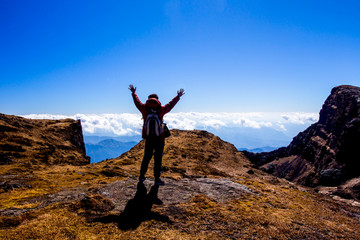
(41, 141)
(326, 153)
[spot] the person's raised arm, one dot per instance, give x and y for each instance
(181, 92)
(136, 99)
(132, 88)
(173, 102)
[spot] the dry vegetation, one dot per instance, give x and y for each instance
(41, 141)
(189, 154)
(45, 202)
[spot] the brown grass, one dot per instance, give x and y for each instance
(278, 210)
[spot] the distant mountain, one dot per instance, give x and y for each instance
(252, 138)
(96, 139)
(260, 149)
(106, 149)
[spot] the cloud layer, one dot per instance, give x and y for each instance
(129, 124)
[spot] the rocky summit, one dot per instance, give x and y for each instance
(188, 154)
(327, 153)
(211, 191)
(41, 141)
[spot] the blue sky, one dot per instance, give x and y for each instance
(69, 57)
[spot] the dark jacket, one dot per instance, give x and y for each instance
(153, 103)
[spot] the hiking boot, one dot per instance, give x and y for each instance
(159, 182)
(142, 179)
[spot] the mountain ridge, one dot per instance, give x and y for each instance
(211, 192)
(327, 152)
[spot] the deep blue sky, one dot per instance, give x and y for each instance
(67, 57)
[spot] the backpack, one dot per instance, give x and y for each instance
(152, 125)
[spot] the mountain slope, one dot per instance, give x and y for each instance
(211, 192)
(189, 154)
(327, 153)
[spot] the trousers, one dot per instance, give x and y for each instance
(152, 147)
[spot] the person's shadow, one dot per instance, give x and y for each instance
(137, 209)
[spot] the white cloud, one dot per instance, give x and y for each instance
(213, 123)
(180, 121)
(300, 117)
(46, 116)
(128, 124)
(125, 124)
(251, 123)
(281, 126)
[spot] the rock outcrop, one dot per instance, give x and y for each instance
(188, 154)
(327, 153)
(41, 141)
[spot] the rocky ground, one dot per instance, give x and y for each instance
(211, 192)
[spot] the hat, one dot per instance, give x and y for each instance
(153, 96)
(153, 103)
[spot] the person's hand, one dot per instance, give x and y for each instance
(132, 89)
(180, 92)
